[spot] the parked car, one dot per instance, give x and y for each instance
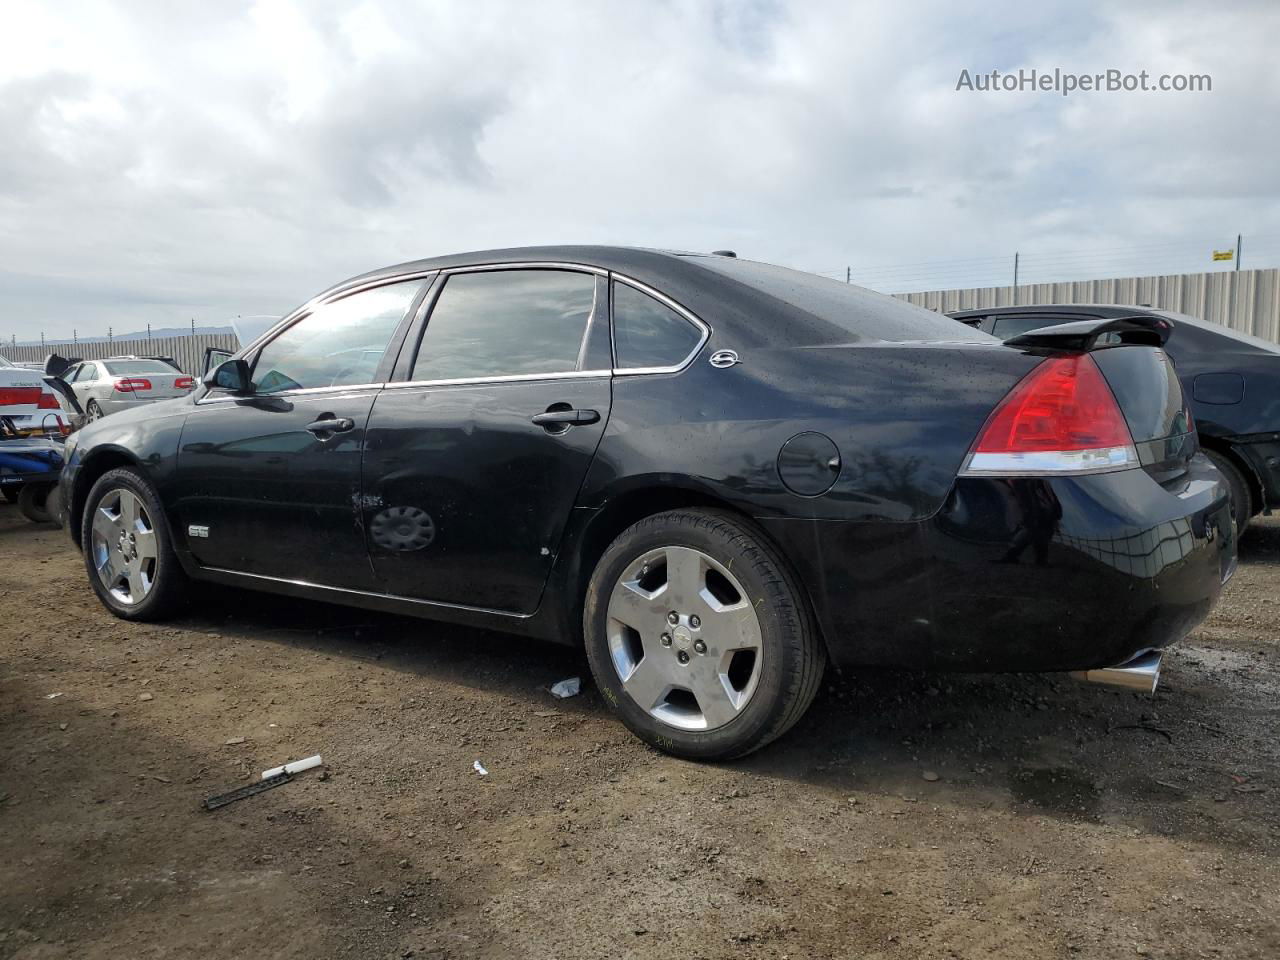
(28, 403)
(1232, 381)
(715, 473)
(123, 383)
(29, 467)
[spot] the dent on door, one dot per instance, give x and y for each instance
(468, 487)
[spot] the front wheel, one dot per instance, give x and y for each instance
(93, 411)
(128, 550)
(698, 636)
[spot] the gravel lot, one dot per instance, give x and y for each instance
(1064, 820)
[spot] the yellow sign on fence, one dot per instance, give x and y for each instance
(1224, 254)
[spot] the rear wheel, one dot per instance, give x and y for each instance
(698, 636)
(128, 550)
(1241, 495)
(32, 502)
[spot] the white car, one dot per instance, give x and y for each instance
(122, 383)
(28, 403)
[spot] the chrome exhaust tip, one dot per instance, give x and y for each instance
(1141, 674)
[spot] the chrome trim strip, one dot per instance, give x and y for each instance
(527, 265)
(1045, 463)
(512, 378)
(368, 593)
(303, 392)
(668, 302)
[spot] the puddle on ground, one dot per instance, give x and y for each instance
(1060, 790)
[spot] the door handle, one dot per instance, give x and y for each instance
(331, 425)
(554, 419)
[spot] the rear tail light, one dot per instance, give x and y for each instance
(184, 383)
(132, 385)
(19, 396)
(48, 402)
(1060, 418)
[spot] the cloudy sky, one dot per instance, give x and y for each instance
(168, 160)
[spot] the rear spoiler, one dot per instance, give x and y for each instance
(1085, 335)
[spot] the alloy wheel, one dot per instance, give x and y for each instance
(684, 638)
(123, 545)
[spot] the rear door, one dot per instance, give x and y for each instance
(476, 455)
(269, 484)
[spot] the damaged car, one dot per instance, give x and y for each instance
(717, 475)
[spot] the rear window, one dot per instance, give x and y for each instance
(126, 368)
(848, 311)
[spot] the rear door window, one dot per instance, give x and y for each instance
(648, 333)
(339, 344)
(506, 323)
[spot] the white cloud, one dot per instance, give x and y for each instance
(169, 160)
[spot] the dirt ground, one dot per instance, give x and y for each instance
(1065, 821)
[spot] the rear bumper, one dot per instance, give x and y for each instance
(1021, 574)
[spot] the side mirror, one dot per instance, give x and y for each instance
(232, 376)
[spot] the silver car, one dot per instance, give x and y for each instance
(120, 383)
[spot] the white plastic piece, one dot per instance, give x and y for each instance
(295, 766)
(567, 688)
(52, 696)
(479, 768)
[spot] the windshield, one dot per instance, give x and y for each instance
(129, 367)
(849, 311)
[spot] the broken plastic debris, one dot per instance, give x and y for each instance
(52, 696)
(294, 766)
(567, 688)
(479, 768)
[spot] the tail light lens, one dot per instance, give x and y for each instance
(1060, 418)
(184, 383)
(48, 402)
(132, 385)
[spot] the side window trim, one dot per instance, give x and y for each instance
(666, 301)
(408, 356)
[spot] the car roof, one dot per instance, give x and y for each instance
(716, 288)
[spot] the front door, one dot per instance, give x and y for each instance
(474, 461)
(269, 484)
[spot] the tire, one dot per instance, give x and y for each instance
(31, 501)
(741, 661)
(142, 578)
(1241, 495)
(93, 411)
(11, 493)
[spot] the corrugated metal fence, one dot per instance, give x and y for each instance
(1248, 300)
(188, 351)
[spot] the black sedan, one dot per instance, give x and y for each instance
(1232, 380)
(716, 474)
